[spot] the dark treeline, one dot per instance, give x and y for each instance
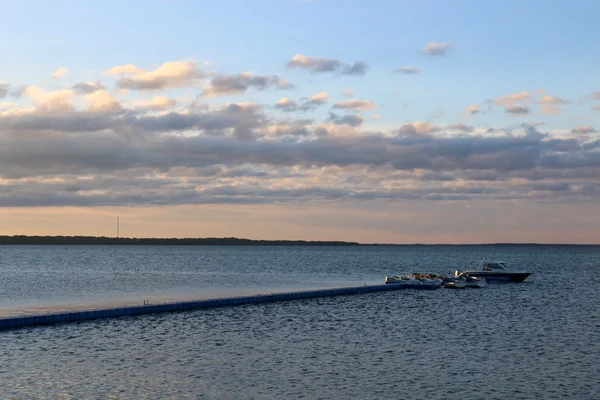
(103, 240)
(100, 240)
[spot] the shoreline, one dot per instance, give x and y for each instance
(227, 241)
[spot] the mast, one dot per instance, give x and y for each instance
(117, 226)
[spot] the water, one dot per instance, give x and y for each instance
(538, 339)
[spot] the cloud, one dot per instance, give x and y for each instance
(357, 68)
(407, 70)
(319, 98)
(460, 127)
(59, 73)
(238, 84)
(596, 95)
(417, 129)
(102, 101)
(437, 49)
(550, 105)
(583, 129)
(511, 99)
(288, 105)
(517, 110)
(597, 107)
(323, 65)
(55, 101)
(172, 74)
(3, 89)
(235, 154)
(157, 103)
(82, 146)
(290, 128)
(348, 93)
(127, 69)
(552, 101)
(473, 109)
(518, 103)
(19, 92)
(551, 110)
(88, 87)
(356, 105)
(352, 120)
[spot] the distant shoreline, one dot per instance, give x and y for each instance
(103, 240)
(227, 241)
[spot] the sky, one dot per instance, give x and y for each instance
(377, 122)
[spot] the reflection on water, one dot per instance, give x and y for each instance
(530, 340)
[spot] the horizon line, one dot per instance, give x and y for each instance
(266, 241)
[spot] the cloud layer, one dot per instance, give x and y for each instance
(94, 143)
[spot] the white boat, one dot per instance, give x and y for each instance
(416, 279)
(494, 271)
(455, 283)
(431, 281)
(474, 282)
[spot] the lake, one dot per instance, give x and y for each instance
(536, 339)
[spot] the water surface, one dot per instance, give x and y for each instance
(538, 339)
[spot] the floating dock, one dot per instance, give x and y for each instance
(77, 316)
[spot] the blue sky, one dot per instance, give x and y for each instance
(524, 68)
(499, 47)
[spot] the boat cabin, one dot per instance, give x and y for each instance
(487, 265)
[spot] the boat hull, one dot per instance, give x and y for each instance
(498, 276)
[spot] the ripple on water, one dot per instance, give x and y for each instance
(537, 340)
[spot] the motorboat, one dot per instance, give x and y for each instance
(494, 271)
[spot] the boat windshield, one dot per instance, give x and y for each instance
(494, 266)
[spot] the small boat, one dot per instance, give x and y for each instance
(455, 283)
(396, 279)
(494, 271)
(475, 282)
(415, 279)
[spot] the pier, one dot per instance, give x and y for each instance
(77, 316)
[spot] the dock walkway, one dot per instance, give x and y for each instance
(76, 316)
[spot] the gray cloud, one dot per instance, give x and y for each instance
(292, 106)
(240, 120)
(352, 120)
(3, 89)
(517, 110)
(237, 84)
(355, 105)
(357, 68)
(417, 129)
(235, 154)
(88, 87)
(474, 109)
(18, 92)
(583, 129)
(306, 104)
(460, 127)
(294, 128)
(322, 65)
(407, 70)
